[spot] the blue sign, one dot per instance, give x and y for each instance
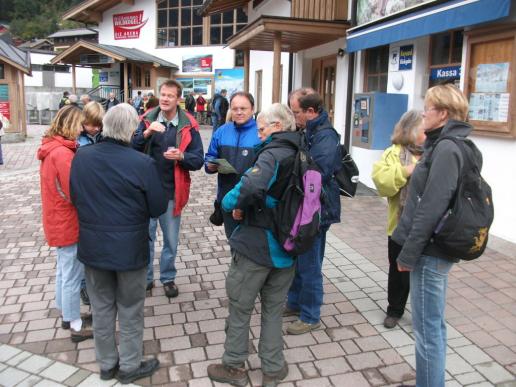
(103, 77)
(406, 57)
(452, 72)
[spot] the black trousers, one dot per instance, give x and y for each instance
(398, 285)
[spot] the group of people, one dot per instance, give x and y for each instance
(102, 205)
(217, 108)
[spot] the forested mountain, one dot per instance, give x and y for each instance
(30, 19)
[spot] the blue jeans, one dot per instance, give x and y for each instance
(170, 226)
(69, 274)
(215, 121)
(306, 292)
(428, 283)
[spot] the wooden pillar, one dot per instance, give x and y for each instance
(74, 79)
(276, 68)
(246, 70)
(126, 82)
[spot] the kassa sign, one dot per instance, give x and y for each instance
(128, 25)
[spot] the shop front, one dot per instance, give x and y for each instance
(471, 44)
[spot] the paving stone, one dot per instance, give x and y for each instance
(32, 380)
(15, 360)
(175, 343)
(332, 366)
(355, 379)
(457, 365)
(59, 372)
(35, 364)
(12, 376)
(372, 343)
(189, 355)
(494, 372)
(318, 382)
(7, 352)
(397, 338)
(472, 354)
(470, 378)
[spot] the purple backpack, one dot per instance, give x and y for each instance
(296, 218)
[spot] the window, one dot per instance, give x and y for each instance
(376, 65)
(258, 90)
(2, 71)
(137, 76)
(146, 81)
(445, 57)
(226, 24)
(178, 23)
(239, 58)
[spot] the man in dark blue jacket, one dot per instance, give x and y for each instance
(234, 141)
(116, 191)
(306, 293)
(219, 109)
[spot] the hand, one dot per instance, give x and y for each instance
(212, 167)
(409, 169)
(155, 127)
(174, 154)
(238, 214)
(403, 268)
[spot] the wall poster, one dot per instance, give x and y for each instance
(197, 85)
(230, 79)
(5, 107)
(370, 10)
(492, 78)
(489, 106)
(197, 64)
(128, 25)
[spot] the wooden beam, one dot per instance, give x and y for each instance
(246, 70)
(128, 2)
(276, 68)
(93, 15)
(74, 80)
(126, 82)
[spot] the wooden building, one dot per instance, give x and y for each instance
(14, 63)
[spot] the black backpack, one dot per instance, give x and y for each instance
(464, 228)
(296, 218)
(347, 175)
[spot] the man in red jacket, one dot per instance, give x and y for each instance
(170, 136)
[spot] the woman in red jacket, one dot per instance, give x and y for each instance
(60, 217)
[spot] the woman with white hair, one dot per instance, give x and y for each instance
(260, 265)
(114, 202)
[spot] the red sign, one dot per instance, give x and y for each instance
(128, 25)
(5, 110)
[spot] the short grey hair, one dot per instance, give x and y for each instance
(278, 112)
(72, 98)
(120, 122)
(85, 98)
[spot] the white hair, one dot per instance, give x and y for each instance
(85, 97)
(278, 112)
(120, 122)
(72, 98)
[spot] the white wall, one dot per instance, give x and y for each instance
(82, 80)
(269, 8)
(222, 57)
(262, 60)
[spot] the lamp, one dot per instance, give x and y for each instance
(340, 52)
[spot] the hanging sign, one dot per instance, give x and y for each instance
(128, 25)
(406, 57)
(450, 72)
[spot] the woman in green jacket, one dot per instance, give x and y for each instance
(391, 175)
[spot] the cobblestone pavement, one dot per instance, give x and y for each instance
(352, 348)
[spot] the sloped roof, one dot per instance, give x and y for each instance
(121, 54)
(90, 11)
(15, 57)
(35, 44)
(75, 32)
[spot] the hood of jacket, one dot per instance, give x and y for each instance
(48, 144)
(250, 124)
(318, 123)
(452, 128)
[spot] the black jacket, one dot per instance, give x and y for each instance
(430, 191)
(116, 190)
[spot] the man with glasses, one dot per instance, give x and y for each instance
(235, 142)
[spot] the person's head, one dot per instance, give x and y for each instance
(443, 103)
(111, 95)
(65, 94)
(223, 92)
(152, 102)
(169, 93)
(85, 98)
(139, 93)
(150, 94)
(242, 107)
(67, 123)
(73, 98)
(409, 129)
(275, 118)
(93, 113)
(306, 104)
(120, 122)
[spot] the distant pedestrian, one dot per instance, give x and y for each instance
(190, 103)
(114, 205)
(64, 99)
(85, 99)
(201, 111)
(60, 222)
(391, 176)
(219, 108)
(151, 103)
(112, 101)
(73, 100)
(138, 102)
(93, 113)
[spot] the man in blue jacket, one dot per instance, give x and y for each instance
(306, 293)
(234, 141)
(219, 109)
(115, 201)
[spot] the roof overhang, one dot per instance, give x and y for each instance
(90, 11)
(296, 34)
(23, 69)
(211, 7)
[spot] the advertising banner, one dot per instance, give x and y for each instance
(230, 79)
(128, 25)
(197, 64)
(371, 10)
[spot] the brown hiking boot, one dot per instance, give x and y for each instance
(224, 374)
(290, 312)
(299, 327)
(83, 334)
(272, 380)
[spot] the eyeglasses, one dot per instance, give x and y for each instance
(426, 110)
(262, 129)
